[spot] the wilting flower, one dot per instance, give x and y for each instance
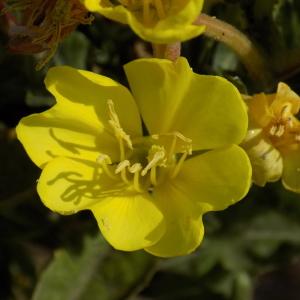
(273, 141)
(147, 188)
(44, 23)
(157, 21)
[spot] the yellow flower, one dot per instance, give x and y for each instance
(157, 21)
(147, 187)
(273, 141)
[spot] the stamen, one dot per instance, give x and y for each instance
(105, 160)
(115, 124)
(179, 165)
(146, 11)
(121, 168)
(179, 143)
(172, 148)
(153, 177)
(156, 157)
(286, 111)
(122, 150)
(135, 169)
(160, 9)
(290, 122)
(277, 130)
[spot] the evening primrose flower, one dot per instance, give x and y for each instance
(157, 21)
(273, 140)
(148, 186)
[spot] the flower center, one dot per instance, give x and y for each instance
(284, 131)
(147, 11)
(144, 162)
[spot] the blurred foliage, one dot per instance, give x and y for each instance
(246, 247)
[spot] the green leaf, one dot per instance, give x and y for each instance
(96, 272)
(73, 51)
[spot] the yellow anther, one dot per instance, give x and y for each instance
(115, 124)
(105, 160)
(175, 143)
(122, 166)
(286, 111)
(135, 168)
(156, 157)
(277, 130)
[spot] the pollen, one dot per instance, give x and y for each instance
(277, 130)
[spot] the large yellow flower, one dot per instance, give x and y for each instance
(147, 187)
(273, 140)
(157, 21)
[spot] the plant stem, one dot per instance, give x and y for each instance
(251, 57)
(168, 51)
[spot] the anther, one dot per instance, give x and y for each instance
(135, 168)
(115, 124)
(156, 157)
(286, 111)
(105, 160)
(178, 143)
(122, 165)
(277, 130)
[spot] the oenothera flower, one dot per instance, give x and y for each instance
(273, 141)
(147, 188)
(157, 21)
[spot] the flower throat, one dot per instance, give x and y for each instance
(147, 161)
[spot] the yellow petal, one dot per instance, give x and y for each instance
(67, 186)
(217, 178)
(77, 126)
(184, 227)
(129, 222)
(56, 133)
(283, 96)
(173, 98)
(266, 161)
(259, 109)
(291, 171)
(175, 26)
(89, 91)
(118, 13)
